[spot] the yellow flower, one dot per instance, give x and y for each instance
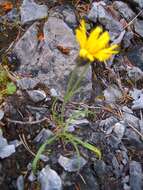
(96, 46)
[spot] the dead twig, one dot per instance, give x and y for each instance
(140, 134)
(23, 140)
(27, 122)
(133, 20)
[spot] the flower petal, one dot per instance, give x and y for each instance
(102, 42)
(106, 53)
(92, 39)
(86, 55)
(81, 34)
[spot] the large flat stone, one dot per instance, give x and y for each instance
(46, 61)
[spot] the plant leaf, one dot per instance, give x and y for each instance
(10, 88)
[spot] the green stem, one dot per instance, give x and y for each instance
(41, 150)
(71, 90)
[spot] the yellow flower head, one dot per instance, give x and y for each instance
(96, 46)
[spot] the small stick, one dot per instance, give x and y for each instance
(23, 140)
(26, 122)
(133, 20)
(140, 134)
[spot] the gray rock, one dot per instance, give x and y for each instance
(20, 183)
(71, 165)
(50, 65)
(99, 13)
(126, 187)
(131, 119)
(100, 168)
(125, 182)
(1, 114)
(49, 179)
(112, 94)
(54, 93)
(125, 109)
(136, 93)
(108, 122)
(136, 57)
(36, 95)
(138, 26)
(139, 2)
(113, 142)
(77, 124)
(27, 83)
(107, 125)
(116, 166)
(93, 13)
(57, 32)
(12, 16)
(135, 74)
(132, 139)
(141, 126)
(27, 51)
(119, 130)
(126, 179)
(124, 10)
(91, 180)
(16, 143)
(76, 120)
(67, 13)
(44, 158)
(138, 104)
(136, 176)
(5, 149)
(127, 39)
(31, 177)
(124, 156)
(43, 136)
(30, 11)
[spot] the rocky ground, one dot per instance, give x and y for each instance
(37, 44)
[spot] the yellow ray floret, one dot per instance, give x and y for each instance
(96, 46)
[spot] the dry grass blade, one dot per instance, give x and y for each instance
(23, 140)
(26, 122)
(140, 134)
(133, 20)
